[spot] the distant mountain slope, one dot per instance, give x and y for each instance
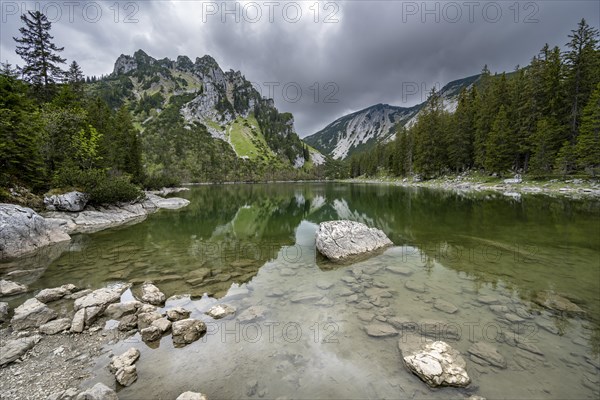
(361, 130)
(449, 95)
(189, 110)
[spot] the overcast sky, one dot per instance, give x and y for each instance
(342, 55)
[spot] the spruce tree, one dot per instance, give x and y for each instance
(40, 54)
(499, 147)
(583, 61)
(20, 126)
(545, 139)
(461, 132)
(588, 142)
(74, 77)
(484, 116)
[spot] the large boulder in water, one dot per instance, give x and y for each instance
(22, 231)
(338, 240)
(72, 201)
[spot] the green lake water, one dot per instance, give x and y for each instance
(488, 254)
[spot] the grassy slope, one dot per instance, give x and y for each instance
(248, 140)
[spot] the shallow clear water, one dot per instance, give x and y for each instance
(257, 242)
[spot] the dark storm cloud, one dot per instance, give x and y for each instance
(368, 52)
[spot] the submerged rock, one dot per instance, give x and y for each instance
(24, 231)
(32, 314)
(187, 331)
(11, 350)
(151, 294)
(10, 288)
(98, 392)
(72, 201)
(438, 364)
(338, 240)
(220, 311)
(445, 306)
(556, 302)
(380, 330)
(488, 353)
(252, 314)
(400, 270)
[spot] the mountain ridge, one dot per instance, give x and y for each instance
(339, 139)
(203, 100)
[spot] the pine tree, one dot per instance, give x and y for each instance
(583, 62)
(430, 146)
(8, 71)
(74, 77)
(39, 53)
(461, 132)
(565, 159)
(545, 138)
(484, 116)
(499, 147)
(588, 142)
(20, 158)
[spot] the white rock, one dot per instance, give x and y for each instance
(124, 360)
(144, 320)
(24, 231)
(126, 375)
(163, 324)
(438, 364)
(72, 201)
(191, 396)
(187, 331)
(178, 313)
(338, 240)
(78, 322)
(151, 294)
(10, 288)
(101, 297)
(13, 349)
(151, 334)
(32, 314)
(56, 326)
(117, 310)
(220, 311)
(53, 294)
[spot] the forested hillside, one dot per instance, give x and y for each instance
(542, 119)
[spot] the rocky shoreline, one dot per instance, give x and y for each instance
(24, 231)
(514, 187)
(55, 337)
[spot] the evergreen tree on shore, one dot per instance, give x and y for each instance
(35, 46)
